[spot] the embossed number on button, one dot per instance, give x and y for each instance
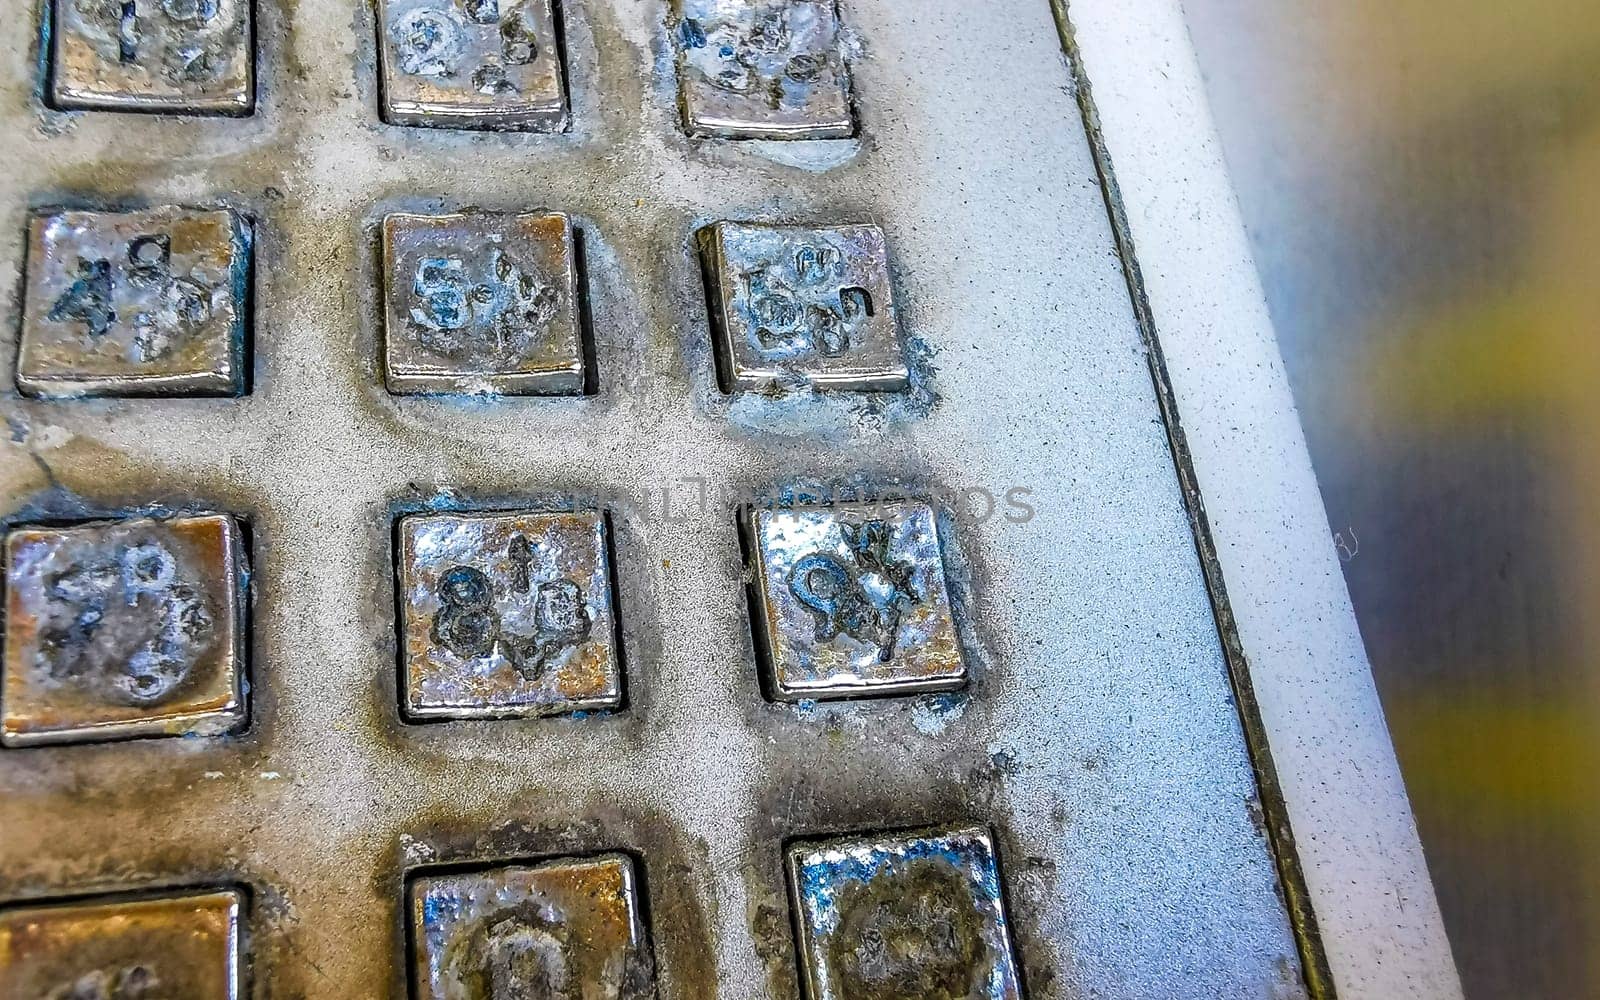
(135, 303)
(851, 601)
(796, 306)
(194, 56)
(474, 64)
(886, 918)
(178, 947)
(762, 69)
(123, 628)
(481, 304)
(507, 615)
(570, 928)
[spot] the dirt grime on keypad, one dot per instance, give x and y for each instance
(1097, 674)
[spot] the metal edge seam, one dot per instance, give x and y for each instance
(1291, 876)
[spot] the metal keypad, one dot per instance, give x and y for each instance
(772, 69)
(481, 304)
(123, 628)
(796, 306)
(624, 731)
(186, 947)
(921, 915)
(182, 56)
(570, 927)
(153, 302)
(507, 615)
(485, 64)
(851, 600)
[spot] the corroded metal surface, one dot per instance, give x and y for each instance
(851, 600)
(185, 56)
(175, 948)
(136, 303)
(1094, 735)
(128, 628)
(569, 929)
(901, 916)
(770, 69)
(491, 64)
(506, 615)
(481, 303)
(794, 306)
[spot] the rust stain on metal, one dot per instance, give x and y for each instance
(135, 303)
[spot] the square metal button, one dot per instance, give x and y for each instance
(850, 601)
(789, 305)
(135, 303)
(918, 915)
(171, 947)
(472, 64)
(481, 304)
(507, 615)
(178, 56)
(569, 928)
(763, 69)
(123, 628)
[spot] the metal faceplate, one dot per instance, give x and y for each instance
(1095, 751)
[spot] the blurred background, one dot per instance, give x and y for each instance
(1421, 183)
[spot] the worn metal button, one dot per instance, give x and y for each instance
(887, 918)
(797, 306)
(850, 600)
(123, 628)
(141, 303)
(507, 615)
(171, 947)
(482, 303)
(763, 69)
(180, 56)
(569, 929)
(472, 64)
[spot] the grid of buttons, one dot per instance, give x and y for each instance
(137, 626)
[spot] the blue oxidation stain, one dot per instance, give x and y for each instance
(826, 873)
(790, 410)
(442, 909)
(821, 878)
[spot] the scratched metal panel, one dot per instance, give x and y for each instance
(1098, 737)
